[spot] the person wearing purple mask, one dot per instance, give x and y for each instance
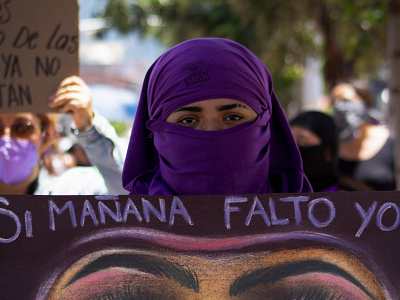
(209, 122)
(25, 137)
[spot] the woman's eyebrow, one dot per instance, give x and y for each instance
(273, 274)
(231, 106)
(189, 108)
(145, 263)
(220, 108)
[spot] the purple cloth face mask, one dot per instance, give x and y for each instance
(17, 160)
(180, 148)
(164, 159)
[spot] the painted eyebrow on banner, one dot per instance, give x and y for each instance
(144, 263)
(272, 274)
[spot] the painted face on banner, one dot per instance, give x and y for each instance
(231, 268)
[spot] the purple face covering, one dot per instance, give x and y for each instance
(17, 160)
(252, 158)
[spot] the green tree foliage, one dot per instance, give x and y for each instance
(354, 37)
(349, 36)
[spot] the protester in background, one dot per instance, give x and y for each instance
(54, 159)
(366, 157)
(24, 138)
(64, 153)
(79, 154)
(316, 136)
(209, 122)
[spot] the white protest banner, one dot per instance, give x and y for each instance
(39, 47)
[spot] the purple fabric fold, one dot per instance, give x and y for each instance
(170, 159)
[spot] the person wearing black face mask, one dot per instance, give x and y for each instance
(366, 157)
(316, 136)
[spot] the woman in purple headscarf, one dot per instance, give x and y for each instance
(209, 122)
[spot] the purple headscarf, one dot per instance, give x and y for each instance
(251, 158)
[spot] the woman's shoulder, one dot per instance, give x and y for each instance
(378, 131)
(373, 140)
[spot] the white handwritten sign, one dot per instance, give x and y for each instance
(293, 211)
(39, 47)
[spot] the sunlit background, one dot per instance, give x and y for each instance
(113, 65)
(307, 45)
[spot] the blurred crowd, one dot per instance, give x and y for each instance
(348, 148)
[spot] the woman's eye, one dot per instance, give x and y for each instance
(233, 118)
(187, 121)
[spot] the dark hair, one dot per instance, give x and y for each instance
(45, 121)
(366, 96)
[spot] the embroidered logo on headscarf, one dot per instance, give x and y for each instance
(196, 78)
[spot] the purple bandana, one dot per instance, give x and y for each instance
(170, 159)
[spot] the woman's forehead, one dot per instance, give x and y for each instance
(215, 103)
(12, 117)
(303, 131)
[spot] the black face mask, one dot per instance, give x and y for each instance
(320, 172)
(348, 117)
